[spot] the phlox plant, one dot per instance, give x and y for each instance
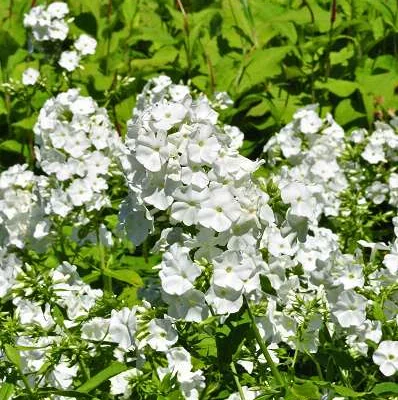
(163, 264)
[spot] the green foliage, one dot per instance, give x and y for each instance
(113, 369)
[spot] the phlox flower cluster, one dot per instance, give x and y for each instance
(77, 147)
(84, 45)
(185, 166)
(380, 150)
(22, 208)
(312, 147)
(212, 268)
(48, 23)
(41, 333)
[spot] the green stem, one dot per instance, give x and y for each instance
(237, 383)
(26, 383)
(263, 347)
(107, 280)
(187, 44)
(85, 370)
(317, 366)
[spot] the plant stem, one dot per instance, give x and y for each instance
(187, 44)
(263, 347)
(236, 379)
(107, 280)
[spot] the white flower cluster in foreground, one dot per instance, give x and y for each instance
(227, 240)
(77, 147)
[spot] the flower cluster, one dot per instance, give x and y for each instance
(22, 208)
(48, 23)
(84, 45)
(77, 147)
(312, 146)
(237, 250)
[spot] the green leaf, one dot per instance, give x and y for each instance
(26, 123)
(338, 86)
(11, 146)
(8, 46)
(140, 263)
(124, 109)
(387, 387)
(86, 22)
(114, 369)
(125, 275)
(378, 311)
(342, 56)
(305, 391)
(263, 64)
(345, 113)
(6, 391)
(13, 355)
(92, 277)
(347, 392)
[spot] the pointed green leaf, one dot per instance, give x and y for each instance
(386, 387)
(13, 355)
(6, 391)
(339, 87)
(114, 369)
(347, 392)
(124, 275)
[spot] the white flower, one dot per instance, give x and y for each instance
(58, 9)
(96, 329)
(386, 357)
(30, 76)
(350, 309)
(162, 335)
(190, 306)
(122, 327)
(85, 44)
(230, 271)
(187, 205)
(83, 106)
(224, 300)
(309, 120)
(178, 272)
(167, 114)
(62, 375)
(79, 192)
(373, 153)
(203, 146)
(220, 210)
(120, 382)
(69, 60)
(351, 276)
(152, 151)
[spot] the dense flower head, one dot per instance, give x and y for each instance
(78, 148)
(22, 207)
(48, 23)
(312, 147)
